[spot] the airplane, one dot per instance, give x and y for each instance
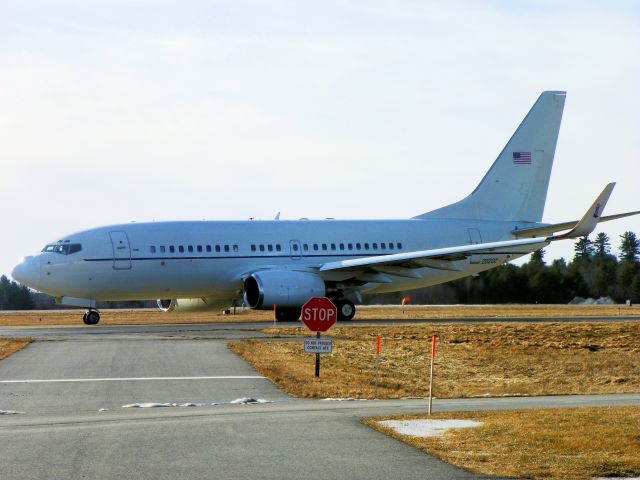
(281, 264)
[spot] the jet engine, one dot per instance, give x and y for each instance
(283, 288)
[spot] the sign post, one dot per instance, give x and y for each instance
(319, 314)
(433, 356)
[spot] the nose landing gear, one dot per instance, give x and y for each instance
(91, 317)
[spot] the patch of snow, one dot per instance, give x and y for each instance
(237, 401)
(592, 301)
(103, 410)
(426, 428)
(9, 412)
(248, 401)
(346, 399)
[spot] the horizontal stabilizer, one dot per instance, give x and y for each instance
(590, 219)
(559, 227)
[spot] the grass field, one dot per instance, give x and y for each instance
(493, 359)
(133, 317)
(9, 346)
(556, 443)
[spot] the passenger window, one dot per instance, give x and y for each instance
(190, 248)
(235, 248)
(295, 247)
(181, 249)
(278, 247)
(153, 249)
(390, 245)
(315, 246)
(366, 246)
(208, 248)
(161, 248)
(270, 247)
(261, 248)
(383, 246)
(324, 246)
(199, 248)
(253, 248)
(350, 246)
(333, 246)
(342, 246)
(218, 248)
(305, 247)
(399, 246)
(375, 246)
(172, 249)
(226, 248)
(358, 246)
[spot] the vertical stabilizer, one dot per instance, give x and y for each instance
(515, 187)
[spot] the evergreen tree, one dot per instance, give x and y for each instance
(629, 247)
(602, 245)
(583, 249)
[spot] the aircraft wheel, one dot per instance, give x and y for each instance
(288, 314)
(92, 317)
(346, 309)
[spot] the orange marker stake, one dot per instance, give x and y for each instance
(433, 356)
(377, 364)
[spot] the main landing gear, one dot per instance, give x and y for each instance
(91, 317)
(346, 309)
(291, 314)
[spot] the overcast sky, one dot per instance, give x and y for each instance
(116, 111)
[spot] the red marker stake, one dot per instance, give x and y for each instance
(433, 356)
(377, 364)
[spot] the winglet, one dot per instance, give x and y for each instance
(589, 220)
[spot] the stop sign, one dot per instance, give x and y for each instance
(319, 314)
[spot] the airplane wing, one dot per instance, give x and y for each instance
(435, 258)
(404, 264)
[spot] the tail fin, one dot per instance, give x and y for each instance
(515, 187)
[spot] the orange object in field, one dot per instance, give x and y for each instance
(406, 300)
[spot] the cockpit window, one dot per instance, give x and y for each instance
(64, 249)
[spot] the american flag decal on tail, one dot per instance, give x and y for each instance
(522, 158)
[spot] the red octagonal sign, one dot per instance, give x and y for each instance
(319, 314)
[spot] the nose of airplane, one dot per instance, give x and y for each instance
(27, 272)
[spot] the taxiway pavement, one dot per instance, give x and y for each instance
(63, 380)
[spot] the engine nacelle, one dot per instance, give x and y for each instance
(193, 304)
(167, 305)
(283, 288)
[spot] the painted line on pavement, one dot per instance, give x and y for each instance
(135, 379)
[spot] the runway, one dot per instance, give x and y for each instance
(73, 383)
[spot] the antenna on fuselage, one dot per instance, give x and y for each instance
(277, 216)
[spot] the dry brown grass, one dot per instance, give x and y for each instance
(145, 316)
(554, 443)
(472, 360)
(9, 346)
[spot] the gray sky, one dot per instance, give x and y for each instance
(118, 111)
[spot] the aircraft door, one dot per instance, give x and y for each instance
(295, 250)
(474, 239)
(121, 250)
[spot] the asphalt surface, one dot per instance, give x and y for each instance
(62, 382)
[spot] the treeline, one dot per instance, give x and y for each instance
(593, 272)
(14, 296)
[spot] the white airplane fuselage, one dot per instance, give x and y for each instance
(211, 258)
